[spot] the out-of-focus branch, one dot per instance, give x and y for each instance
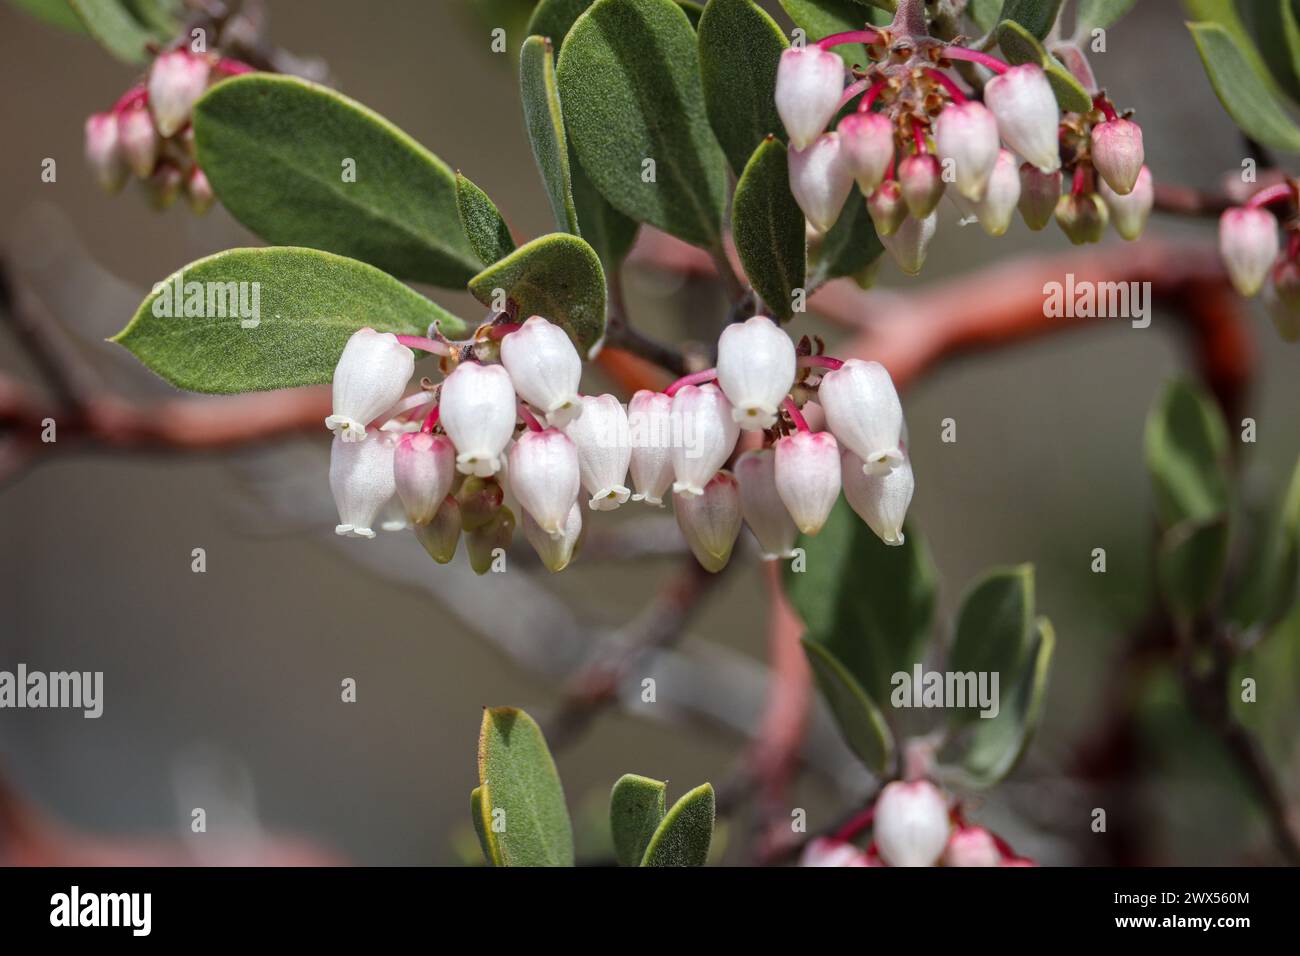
(1188, 201)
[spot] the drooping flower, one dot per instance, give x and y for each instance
(966, 134)
(545, 368)
(1117, 153)
(198, 191)
(887, 208)
(1027, 114)
(477, 409)
(809, 82)
(997, 206)
(604, 450)
(556, 551)
(867, 145)
(441, 534)
(882, 499)
(710, 521)
(761, 504)
(1248, 242)
(1082, 217)
(176, 81)
(486, 543)
(650, 422)
(361, 480)
(921, 182)
(1129, 213)
(139, 140)
(910, 242)
(370, 377)
(808, 477)
(1039, 193)
(971, 846)
(705, 433)
(164, 185)
(424, 467)
(826, 851)
(911, 823)
(544, 477)
(756, 367)
(821, 180)
(863, 413)
(104, 153)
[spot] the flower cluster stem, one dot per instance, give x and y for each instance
(975, 56)
(695, 378)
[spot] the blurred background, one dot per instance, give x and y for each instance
(222, 689)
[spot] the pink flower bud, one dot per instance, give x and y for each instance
(1117, 153)
(484, 543)
(545, 369)
(826, 851)
(544, 476)
(821, 180)
(881, 500)
(967, 135)
(911, 823)
(1129, 213)
(556, 551)
(361, 480)
(756, 365)
(139, 140)
(164, 185)
(477, 408)
(997, 206)
(921, 182)
(911, 241)
(808, 477)
(424, 467)
(887, 208)
(1248, 242)
(601, 433)
(441, 534)
(761, 504)
(104, 153)
(863, 413)
(650, 425)
(971, 846)
(705, 433)
(1039, 194)
(176, 81)
(710, 521)
(198, 191)
(867, 141)
(369, 378)
(1082, 217)
(809, 83)
(1027, 113)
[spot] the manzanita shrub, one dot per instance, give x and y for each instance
(809, 156)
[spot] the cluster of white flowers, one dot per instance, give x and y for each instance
(1256, 259)
(468, 465)
(915, 131)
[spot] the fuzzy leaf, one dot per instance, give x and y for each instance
(857, 716)
(487, 232)
(482, 826)
(985, 14)
(518, 776)
(630, 83)
(1036, 16)
(1270, 585)
(994, 629)
(636, 808)
(1021, 46)
(308, 304)
(545, 125)
(1242, 88)
(740, 47)
(55, 13)
(822, 18)
(554, 19)
(684, 835)
(848, 249)
(274, 148)
(1192, 558)
(1094, 14)
(115, 28)
(558, 277)
(608, 231)
(769, 228)
(1277, 34)
(1186, 448)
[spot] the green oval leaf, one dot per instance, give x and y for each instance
(636, 808)
(994, 628)
(1243, 91)
(55, 13)
(1091, 15)
(275, 148)
(522, 790)
(545, 124)
(487, 232)
(630, 84)
(684, 836)
(822, 18)
(1277, 32)
(1186, 449)
(1021, 46)
(608, 231)
(769, 230)
(558, 277)
(254, 319)
(554, 19)
(482, 826)
(1190, 564)
(1270, 584)
(857, 716)
(115, 28)
(740, 47)
(1035, 16)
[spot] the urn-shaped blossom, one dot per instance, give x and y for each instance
(604, 450)
(361, 480)
(808, 477)
(809, 82)
(911, 823)
(921, 182)
(424, 467)
(710, 521)
(966, 135)
(704, 432)
(881, 499)
(971, 846)
(827, 851)
(821, 180)
(370, 377)
(756, 366)
(1027, 114)
(440, 534)
(1117, 153)
(477, 408)
(544, 477)
(650, 432)
(198, 191)
(863, 413)
(104, 153)
(555, 550)
(867, 147)
(761, 504)
(910, 242)
(176, 81)
(1039, 194)
(545, 368)
(1082, 217)
(1129, 213)
(139, 140)
(996, 208)
(887, 208)
(1248, 242)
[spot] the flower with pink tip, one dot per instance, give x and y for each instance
(996, 208)
(424, 467)
(477, 408)
(966, 134)
(710, 521)
(911, 823)
(1129, 213)
(176, 81)
(867, 142)
(704, 435)
(756, 367)
(821, 180)
(198, 191)
(1117, 153)
(880, 499)
(886, 208)
(1039, 194)
(1027, 114)
(104, 153)
(863, 413)
(827, 851)
(545, 368)
(361, 480)
(808, 477)
(809, 82)
(544, 476)
(371, 374)
(555, 551)
(1248, 242)
(761, 504)
(604, 450)
(972, 846)
(650, 424)
(921, 182)
(139, 138)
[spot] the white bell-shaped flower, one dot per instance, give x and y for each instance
(821, 180)
(1117, 153)
(556, 551)
(911, 823)
(545, 368)
(1039, 194)
(139, 140)
(827, 851)
(176, 81)
(910, 242)
(704, 432)
(966, 134)
(710, 521)
(477, 408)
(863, 412)
(104, 153)
(424, 467)
(1248, 243)
(972, 846)
(1129, 213)
(756, 366)
(604, 450)
(544, 477)
(650, 432)
(997, 207)
(761, 504)
(808, 477)
(881, 500)
(867, 141)
(809, 83)
(361, 480)
(1027, 113)
(369, 379)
